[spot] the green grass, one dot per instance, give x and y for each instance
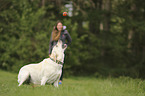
(76, 86)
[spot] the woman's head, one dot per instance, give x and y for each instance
(57, 31)
(59, 26)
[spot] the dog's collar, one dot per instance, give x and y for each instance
(57, 61)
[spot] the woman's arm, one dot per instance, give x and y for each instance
(68, 37)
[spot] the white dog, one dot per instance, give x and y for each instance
(47, 71)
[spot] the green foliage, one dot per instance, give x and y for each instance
(100, 35)
(22, 38)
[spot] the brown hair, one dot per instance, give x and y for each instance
(56, 33)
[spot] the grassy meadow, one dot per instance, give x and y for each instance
(74, 86)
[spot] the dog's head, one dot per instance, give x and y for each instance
(58, 51)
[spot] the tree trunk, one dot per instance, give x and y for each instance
(43, 2)
(130, 34)
(131, 31)
(94, 23)
(105, 23)
(107, 7)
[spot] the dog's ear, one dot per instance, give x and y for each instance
(54, 56)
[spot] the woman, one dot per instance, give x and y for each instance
(59, 34)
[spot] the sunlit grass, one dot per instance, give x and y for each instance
(74, 86)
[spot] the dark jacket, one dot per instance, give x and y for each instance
(64, 36)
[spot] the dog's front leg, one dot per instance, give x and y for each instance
(43, 81)
(56, 82)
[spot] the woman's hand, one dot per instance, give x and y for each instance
(65, 45)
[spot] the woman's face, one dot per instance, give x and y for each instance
(59, 26)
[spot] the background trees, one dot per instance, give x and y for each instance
(108, 35)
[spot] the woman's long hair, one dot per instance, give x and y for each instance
(56, 33)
